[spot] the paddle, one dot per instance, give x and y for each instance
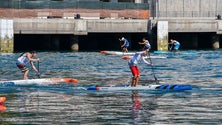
(170, 47)
(153, 69)
(38, 70)
(122, 47)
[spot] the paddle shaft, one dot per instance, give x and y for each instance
(38, 70)
(152, 69)
(170, 47)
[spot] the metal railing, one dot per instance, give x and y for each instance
(188, 13)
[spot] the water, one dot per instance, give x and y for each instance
(64, 104)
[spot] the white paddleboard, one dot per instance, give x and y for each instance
(115, 53)
(43, 81)
(168, 87)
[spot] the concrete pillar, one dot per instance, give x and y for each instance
(55, 42)
(114, 1)
(194, 43)
(74, 43)
(215, 42)
(138, 1)
(162, 36)
(6, 36)
(47, 42)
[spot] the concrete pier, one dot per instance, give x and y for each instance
(83, 27)
(6, 36)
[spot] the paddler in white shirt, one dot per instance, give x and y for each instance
(133, 62)
(24, 59)
(146, 44)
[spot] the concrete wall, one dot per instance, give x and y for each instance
(188, 8)
(83, 27)
(78, 26)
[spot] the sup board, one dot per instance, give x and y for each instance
(179, 52)
(43, 81)
(115, 53)
(167, 87)
(153, 57)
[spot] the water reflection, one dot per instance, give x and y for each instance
(136, 107)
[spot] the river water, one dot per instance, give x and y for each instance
(65, 104)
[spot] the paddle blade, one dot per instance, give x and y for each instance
(2, 99)
(70, 80)
(2, 108)
(38, 75)
(126, 57)
(103, 52)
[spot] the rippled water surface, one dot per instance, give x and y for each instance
(65, 104)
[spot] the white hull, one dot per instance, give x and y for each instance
(127, 55)
(128, 88)
(164, 87)
(115, 53)
(43, 81)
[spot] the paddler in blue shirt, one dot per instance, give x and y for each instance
(174, 44)
(124, 44)
(133, 62)
(24, 59)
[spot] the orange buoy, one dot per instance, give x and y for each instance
(2, 99)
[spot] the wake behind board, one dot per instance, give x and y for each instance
(43, 81)
(115, 53)
(164, 87)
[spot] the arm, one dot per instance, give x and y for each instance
(33, 67)
(124, 44)
(143, 42)
(31, 59)
(170, 42)
(145, 61)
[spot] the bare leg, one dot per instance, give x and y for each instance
(126, 50)
(137, 80)
(25, 74)
(133, 81)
